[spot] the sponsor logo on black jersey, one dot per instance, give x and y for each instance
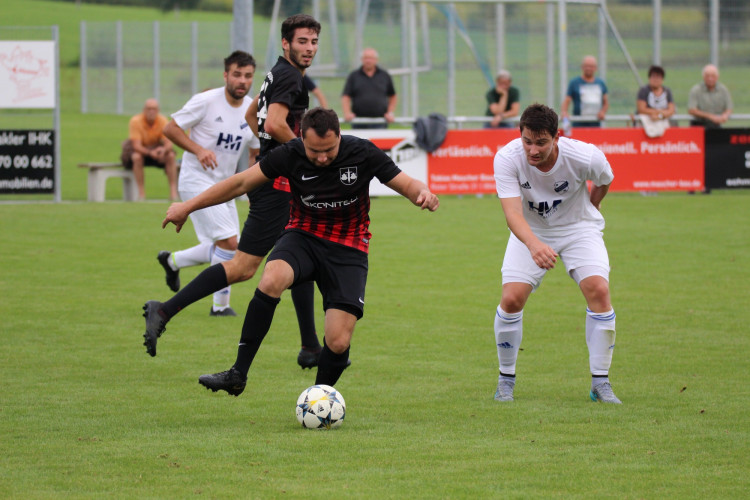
(561, 186)
(348, 175)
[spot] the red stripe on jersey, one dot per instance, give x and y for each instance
(351, 229)
(282, 184)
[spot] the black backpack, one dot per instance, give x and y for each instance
(430, 131)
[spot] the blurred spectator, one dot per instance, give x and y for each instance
(369, 93)
(709, 102)
(654, 103)
(147, 145)
(502, 101)
(588, 93)
(313, 88)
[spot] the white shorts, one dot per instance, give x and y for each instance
(583, 253)
(214, 223)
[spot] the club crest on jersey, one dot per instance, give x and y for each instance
(348, 175)
(561, 186)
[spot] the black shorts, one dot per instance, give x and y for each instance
(339, 271)
(266, 220)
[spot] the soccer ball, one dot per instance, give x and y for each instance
(320, 407)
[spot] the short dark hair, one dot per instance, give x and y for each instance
(292, 23)
(539, 118)
(321, 121)
(240, 58)
(658, 70)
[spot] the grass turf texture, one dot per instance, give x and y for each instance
(87, 414)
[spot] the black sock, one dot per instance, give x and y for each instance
(331, 365)
(257, 323)
(211, 280)
(303, 298)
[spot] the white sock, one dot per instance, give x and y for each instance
(508, 334)
(221, 298)
(193, 256)
(600, 339)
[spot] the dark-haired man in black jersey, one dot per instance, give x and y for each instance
(326, 240)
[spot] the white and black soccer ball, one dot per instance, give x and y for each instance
(320, 407)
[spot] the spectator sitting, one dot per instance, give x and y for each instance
(147, 145)
(502, 101)
(709, 102)
(654, 104)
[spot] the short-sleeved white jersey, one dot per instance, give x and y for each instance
(557, 201)
(219, 127)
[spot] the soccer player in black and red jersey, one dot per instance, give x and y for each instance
(326, 240)
(277, 112)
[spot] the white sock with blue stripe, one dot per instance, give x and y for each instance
(221, 298)
(600, 339)
(508, 335)
(193, 256)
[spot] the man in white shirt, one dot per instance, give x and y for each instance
(218, 135)
(541, 180)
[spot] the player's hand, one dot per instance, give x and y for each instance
(428, 200)
(544, 255)
(207, 159)
(177, 214)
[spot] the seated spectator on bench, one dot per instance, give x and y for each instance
(147, 145)
(654, 103)
(502, 101)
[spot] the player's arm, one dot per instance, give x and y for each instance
(415, 191)
(597, 195)
(178, 136)
(226, 190)
(544, 255)
(276, 125)
(251, 116)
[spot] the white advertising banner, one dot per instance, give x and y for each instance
(27, 74)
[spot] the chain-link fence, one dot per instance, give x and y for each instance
(457, 47)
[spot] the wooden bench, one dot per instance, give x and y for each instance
(99, 172)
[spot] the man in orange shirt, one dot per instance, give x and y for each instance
(147, 145)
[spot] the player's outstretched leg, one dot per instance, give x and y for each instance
(303, 299)
(258, 319)
(157, 313)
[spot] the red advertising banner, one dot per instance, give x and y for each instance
(673, 162)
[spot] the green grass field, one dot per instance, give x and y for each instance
(87, 414)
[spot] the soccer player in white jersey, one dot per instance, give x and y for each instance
(541, 180)
(218, 135)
